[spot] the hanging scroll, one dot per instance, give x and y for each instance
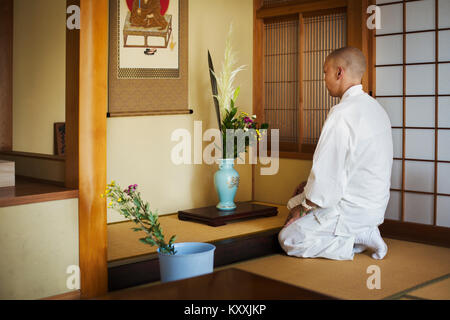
(148, 58)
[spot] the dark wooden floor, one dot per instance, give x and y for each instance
(29, 190)
(227, 284)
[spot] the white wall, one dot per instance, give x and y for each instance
(39, 71)
(37, 244)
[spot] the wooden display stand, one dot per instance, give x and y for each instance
(215, 217)
(7, 174)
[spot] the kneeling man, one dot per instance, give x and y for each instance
(336, 213)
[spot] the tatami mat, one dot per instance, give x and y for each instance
(439, 290)
(124, 243)
(406, 265)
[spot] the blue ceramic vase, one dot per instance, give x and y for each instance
(226, 181)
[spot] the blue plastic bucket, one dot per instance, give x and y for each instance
(191, 259)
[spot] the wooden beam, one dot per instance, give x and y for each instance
(300, 7)
(92, 147)
(6, 59)
(72, 102)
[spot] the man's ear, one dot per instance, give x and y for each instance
(340, 73)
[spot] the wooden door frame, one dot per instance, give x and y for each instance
(93, 90)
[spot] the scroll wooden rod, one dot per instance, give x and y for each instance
(148, 113)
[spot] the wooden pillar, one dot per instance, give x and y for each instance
(258, 74)
(6, 58)
(358, 33)
(92, 147)
(72, 102)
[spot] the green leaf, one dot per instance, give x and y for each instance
(264, 126)
(233, 112)
(236, 93)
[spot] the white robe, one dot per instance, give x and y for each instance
(349, 180)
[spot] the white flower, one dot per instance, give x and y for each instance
(254, 116)
(227, 75)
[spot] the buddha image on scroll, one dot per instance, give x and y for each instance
(148, 14)
(148, 34)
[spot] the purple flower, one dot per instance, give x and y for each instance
(131, 188)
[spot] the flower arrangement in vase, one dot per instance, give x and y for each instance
(177, 260)
(231, 122)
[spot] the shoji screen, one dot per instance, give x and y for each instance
(413, 85)
(281, 81)
(323, 34)
(294, 52)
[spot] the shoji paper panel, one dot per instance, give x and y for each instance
(444, 78)
(420, 111)
(444, 112)
(389, 50)
(444, 145)
(389, 81)
(443, 211)
(444, 178)
(419, 144)
(444, 16)
(394, 109)
(397, 141)
(394, 206)
(420, 15)
(420, 79)
(419, 208)
(396, 176)
(420, 47)
(391, 19)
(444, 45)
(419, 176)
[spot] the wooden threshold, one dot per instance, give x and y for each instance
(415, 232)
(30, 190)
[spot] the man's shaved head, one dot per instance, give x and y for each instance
(343, 69)
(351, 59)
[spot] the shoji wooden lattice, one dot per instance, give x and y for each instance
(323, 34)
(413, 85)
(281, 77)
(295, 97)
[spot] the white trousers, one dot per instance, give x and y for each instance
(317, 235)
